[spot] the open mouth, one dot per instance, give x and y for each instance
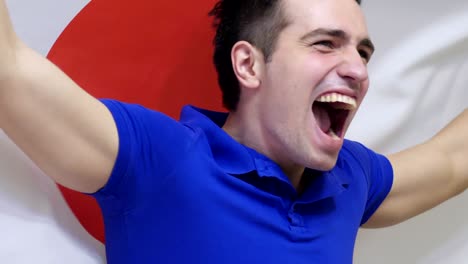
(331, 112)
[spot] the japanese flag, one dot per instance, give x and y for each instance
(418, 83)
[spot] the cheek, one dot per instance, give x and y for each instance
(289, 97)
(364, 89)
(317, 67)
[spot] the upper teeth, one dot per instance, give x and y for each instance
(350, 103)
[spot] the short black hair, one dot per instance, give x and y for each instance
(258, 22)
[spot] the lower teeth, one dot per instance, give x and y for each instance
(332, 134)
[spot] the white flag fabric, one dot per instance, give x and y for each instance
(418, 83)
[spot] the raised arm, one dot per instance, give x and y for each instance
(69, 134)
(427, 174)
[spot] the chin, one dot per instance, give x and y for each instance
(324, 163)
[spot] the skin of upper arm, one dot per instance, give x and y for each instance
(426, 175)
(69, 134)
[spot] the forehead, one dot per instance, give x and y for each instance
(306, 15)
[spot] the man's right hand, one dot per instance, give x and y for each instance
(69, 134)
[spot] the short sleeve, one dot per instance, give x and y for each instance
(378, 172)
(150, 145)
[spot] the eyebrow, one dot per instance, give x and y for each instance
(338, 33)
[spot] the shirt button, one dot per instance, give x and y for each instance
(295, 219)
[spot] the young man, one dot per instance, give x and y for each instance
(274, 181)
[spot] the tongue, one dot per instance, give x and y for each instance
(322, 117)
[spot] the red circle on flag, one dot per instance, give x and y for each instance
(154, 53)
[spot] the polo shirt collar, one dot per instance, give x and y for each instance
(236, 159)
(232, 157)
(327, 184)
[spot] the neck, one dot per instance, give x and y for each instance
(243, 130)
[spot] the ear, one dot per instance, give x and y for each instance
(247, 62)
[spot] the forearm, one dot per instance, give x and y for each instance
(427, 174)
(452, 141)
(8, 43)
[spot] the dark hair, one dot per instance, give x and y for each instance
(258, 22)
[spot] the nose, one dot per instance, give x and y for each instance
(353, 68)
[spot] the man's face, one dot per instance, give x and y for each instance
(315, 81)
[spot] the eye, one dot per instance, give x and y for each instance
(325, 43)
(365, 55)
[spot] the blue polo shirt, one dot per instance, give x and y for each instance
(186, 192)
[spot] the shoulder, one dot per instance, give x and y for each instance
(355, 154)
(135, 119)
